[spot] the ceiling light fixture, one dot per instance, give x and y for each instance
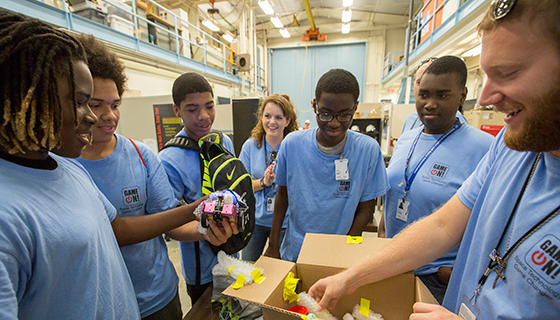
(347, 3)
(266, 7)
(228, 37)
(284, 32)
(210, 25)
(346, 28)
(346, 15)
(276, 22)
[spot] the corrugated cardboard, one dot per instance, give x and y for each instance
(324, 255)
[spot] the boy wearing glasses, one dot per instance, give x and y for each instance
(506, 213)
(328, 176)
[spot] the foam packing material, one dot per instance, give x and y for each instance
(233, 267)
(347, 317)
(305, 300)
(359, 316)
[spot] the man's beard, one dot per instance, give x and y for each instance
(541, 131)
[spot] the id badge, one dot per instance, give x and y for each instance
(402, 210)
(270, 204)
(468, 311)
(341, 168)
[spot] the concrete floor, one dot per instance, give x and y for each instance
(175, 256)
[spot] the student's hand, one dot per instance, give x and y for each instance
(431, 311)
(272, 252)
(328, 291)
(217, 236)
(269, 175)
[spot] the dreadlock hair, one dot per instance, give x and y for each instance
(102, 63)
(283, 101)
(33, 57)
(337, 81)
(188, 83)
(450, 65)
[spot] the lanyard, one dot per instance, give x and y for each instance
(273, 155)
(407, 181)
(500, 262)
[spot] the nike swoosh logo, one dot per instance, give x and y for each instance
(230, 175)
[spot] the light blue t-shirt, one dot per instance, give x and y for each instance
(413, 122)
(318, 202)
(255, 160)
(183, 170)
(136, 190)
(437, 180)
(59, 258)
(531, 289)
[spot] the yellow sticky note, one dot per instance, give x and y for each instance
(364, 307)
(229, 270)
(257, 276)
(239, 282)
(350, 239)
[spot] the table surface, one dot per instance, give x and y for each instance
(202, 309)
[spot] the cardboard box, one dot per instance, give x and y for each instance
(324, 255)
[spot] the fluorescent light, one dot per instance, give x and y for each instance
(345, 28)
(210, 25)
(347, 3)
(266, 7)
(473, 52)
(228, 37)
(284, 32)
(276, 22)
(346, 15)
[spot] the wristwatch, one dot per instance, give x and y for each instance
(262, 184)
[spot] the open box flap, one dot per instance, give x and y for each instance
(422, 292)
(333, 250)
(275, 271)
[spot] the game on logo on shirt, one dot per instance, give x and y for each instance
(343, 189)
(438, 170)
(544, 259)
(131, 195)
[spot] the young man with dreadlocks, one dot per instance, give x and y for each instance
(130, 175)
(506, 212)
(58, 256)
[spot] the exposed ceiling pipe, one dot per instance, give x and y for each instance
(309, 14)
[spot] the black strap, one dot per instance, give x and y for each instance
(183, 142)
(197, 258)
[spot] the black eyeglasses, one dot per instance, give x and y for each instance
(502, 8)
(327, 117)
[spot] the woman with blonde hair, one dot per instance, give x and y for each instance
(276, 118)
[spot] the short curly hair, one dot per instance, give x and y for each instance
(103, 63)
(283, 101)
(449, 65)
(338, 81)
(187, 83)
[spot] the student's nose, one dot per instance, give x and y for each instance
(430, 104)
(203, 114)
(108, 113)
(89, 117)
(491, 94)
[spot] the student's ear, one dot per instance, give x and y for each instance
(463, 95)
(176, 111)
(356, 106)
(314, 105)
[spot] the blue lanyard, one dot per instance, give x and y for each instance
(426, 156)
